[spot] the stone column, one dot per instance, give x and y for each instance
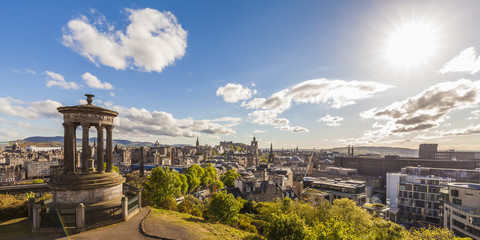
(124, 208)
(69, 147)
(75, 157)
(109, 148)
(100, 149)
(85, 147)
(80, 217)
(67, 152)
(36, 218)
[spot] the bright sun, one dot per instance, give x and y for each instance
(411, 45)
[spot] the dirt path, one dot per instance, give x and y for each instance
(126, 230)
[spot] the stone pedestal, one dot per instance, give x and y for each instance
(71, 189)
(80, 217)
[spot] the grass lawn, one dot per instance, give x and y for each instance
(191, 227)
(19, 228)
(15, 228)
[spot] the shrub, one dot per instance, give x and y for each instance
(244, 223)
(224, 207)
(37, 181)
(286, 226)
(168, 203)
(11, 207)
(188, 205)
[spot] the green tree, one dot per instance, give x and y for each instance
(218, 185)
(431, 234)
(194, 176)
(228, 178)
(386, 230)
(162, 183)
(209, 174)
(347, 211)
(224, 207)
(286, 227)
(184, 183)
(332, 229)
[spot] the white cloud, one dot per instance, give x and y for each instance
(22, 124)
(228, 119)
(112, 94)
(55, 79)
(93, 82)
(331, 121)
(152, 41)
(235, 92)
(8, 135)
(475, 113)
(259, 131)
(30, 71)
(465, 62)
(134, 121)
(30, 110)
(336, 93)
(424, 111)
(472, 129)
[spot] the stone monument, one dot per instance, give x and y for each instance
(90, 185)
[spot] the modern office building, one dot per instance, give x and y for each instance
(461, 209)
(319, 189)
(415, 199)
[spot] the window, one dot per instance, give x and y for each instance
(457, 201)
(459, 215)
(454, 193)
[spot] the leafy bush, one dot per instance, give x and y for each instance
(286, 226)
(244, 223)
(168, 203)
(188, 205)
(224, 207)
(11, 207)
(37, 181)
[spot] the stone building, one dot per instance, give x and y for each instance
(252, 155)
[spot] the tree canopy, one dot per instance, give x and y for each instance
(228, 178)
(163, 183)
(224, 207)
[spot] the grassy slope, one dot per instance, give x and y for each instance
(15, 228)
(196, 225)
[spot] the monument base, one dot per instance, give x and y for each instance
(70, 189)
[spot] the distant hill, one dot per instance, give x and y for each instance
(404, 152)
(44, 139)
(59, 139)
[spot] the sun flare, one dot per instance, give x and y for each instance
(411, 45)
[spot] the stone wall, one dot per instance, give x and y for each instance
(88, 196)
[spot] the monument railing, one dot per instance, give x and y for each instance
(51, 217)
(104, 213)
(133, 204)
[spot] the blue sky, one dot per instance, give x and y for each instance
(311, 73)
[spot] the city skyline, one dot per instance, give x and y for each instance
(315, 74)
